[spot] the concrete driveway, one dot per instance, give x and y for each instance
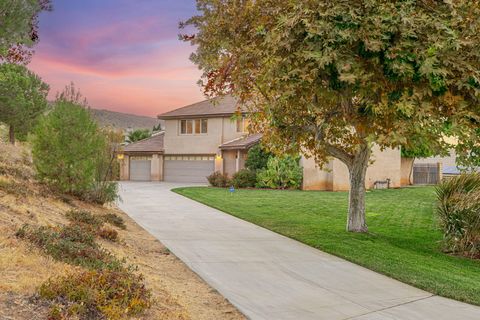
(269, 276)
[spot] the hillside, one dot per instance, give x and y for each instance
(124, 120)
(177, 292)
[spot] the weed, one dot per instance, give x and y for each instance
(114, 220)
(108, 234)
(85, 217)
(67, 244)
(98, 294)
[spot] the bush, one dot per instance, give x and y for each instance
(85, 217)
(70, 245)
(108, 234)
(70, 152)
(459, 212)
(244, 178)
(257, 158)
(218, 179)
(281, 173)
(114, 220)
(97, 294)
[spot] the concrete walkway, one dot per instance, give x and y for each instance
(268, 276)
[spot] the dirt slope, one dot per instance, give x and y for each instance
(179, 293)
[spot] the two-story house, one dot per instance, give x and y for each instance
(205, 137)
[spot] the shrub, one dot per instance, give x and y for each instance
(114, 220)
(218, 179)
(85, 217)
(71, 154)
(69, 245)
(459, 212)
(97, 294)
(244, 178)
(108, 234)
(281, 173)
(257, 158)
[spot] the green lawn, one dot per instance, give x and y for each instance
(404, 240)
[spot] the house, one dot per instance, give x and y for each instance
(211, 135)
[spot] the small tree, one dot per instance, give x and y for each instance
(138, 135)
(23, 98)
(257, 158)
(333, 78)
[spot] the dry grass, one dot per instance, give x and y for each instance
(178, 292)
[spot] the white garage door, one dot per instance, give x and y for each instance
(188, 168)
(140, 168)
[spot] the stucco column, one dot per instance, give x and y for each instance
(125, 168)
(155, 168)
(219, 162)
(237, 161)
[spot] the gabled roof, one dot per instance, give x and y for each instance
(218, 107)
(242, 143)
(152, 144)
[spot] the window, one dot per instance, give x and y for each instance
(242, 124)
(197, 126)
(204, 125)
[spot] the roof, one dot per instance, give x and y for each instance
(152, 144)
(224, 106)
(454, 170)
(242, 143)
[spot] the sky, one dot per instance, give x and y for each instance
(123, 55)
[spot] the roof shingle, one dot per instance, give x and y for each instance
(152, 144)
(242, 143)
(224, 106)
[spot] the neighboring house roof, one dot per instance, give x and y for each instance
(454, 170)
(225, 106)
(242, 143)
(152, 144)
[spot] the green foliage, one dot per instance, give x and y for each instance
(71, 244)
(333, 78)
(138, 135)
(85, 217)
(114, 220)
(244, 178)
(257, 158)
(23, 98)
(71, 154)
(459, 212)
(218, 179)
(97, 294)
(19, 28)
(281, 173)
(157, 128)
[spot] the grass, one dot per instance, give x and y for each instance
(404, 240)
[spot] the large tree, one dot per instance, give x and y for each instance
(333, 78)
(19, 28)
(23, 98)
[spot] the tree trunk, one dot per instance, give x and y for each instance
(356, 211)
(11, 134)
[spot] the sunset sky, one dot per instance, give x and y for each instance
(124, 55)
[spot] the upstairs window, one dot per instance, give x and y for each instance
(193, 126)
(242, 124)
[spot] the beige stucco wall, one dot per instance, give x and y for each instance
(156, 171)
(386, 165)
(315, 179)
(220, 130)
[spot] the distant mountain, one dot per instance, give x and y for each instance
(124, 121)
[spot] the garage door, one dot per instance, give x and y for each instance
(140, 168)
(188, 168)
